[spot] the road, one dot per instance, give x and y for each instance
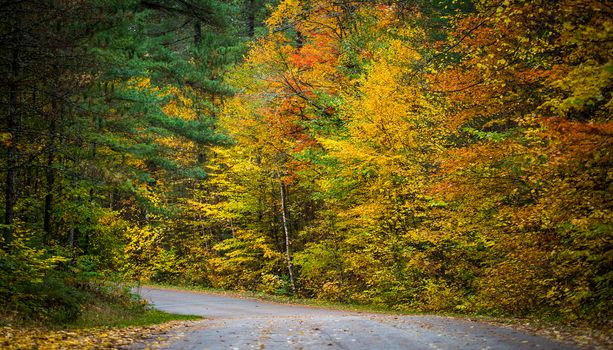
(242, 323)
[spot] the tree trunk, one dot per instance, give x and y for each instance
(50, 177)
(288, 258)
(251, 18)
(70, 242)
(197, 33)
(11, 161)
(299, 39)
(11, 165)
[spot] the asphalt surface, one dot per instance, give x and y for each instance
(242, 323)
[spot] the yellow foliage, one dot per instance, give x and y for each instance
(285, 10)
(13, 338)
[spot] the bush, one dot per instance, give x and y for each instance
(59, 298)
(38, 286)
(23, 276)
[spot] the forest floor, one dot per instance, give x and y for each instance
(235, 320)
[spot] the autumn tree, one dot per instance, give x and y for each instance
(450, 151)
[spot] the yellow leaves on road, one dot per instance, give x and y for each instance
(13, 338)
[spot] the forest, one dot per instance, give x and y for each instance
(420, 155)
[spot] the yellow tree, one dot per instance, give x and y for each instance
(281, 84)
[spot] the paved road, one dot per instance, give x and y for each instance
(238, 323)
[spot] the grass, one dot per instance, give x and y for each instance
(109, 318)
(104, 323)
(96, 311)
(102, 313)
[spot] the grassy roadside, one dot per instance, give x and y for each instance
(581, 335)
(103, 323)
(104, 314)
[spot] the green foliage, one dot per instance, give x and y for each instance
(42, 287)
(112, 111)
(26, 271)
(417, 155)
